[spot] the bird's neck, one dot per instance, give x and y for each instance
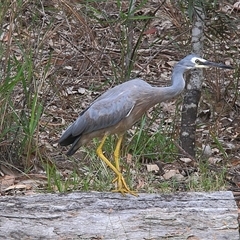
(178, 84)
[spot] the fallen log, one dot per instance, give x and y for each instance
(94, 215)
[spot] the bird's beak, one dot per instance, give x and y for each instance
(207, 64)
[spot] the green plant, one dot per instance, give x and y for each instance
(157, 144)
(56, 181)
(122, 29)
(21, 88)
(219, 145)
(22, 124)
(207, 179)
(46, 49)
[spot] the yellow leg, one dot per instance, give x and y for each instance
(121, 184)
(117, 152)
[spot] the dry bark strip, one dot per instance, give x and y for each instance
(97, 215)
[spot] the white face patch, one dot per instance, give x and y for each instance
(195, 60)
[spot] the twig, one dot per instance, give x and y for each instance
(194, 162)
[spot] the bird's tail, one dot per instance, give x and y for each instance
(75, 146)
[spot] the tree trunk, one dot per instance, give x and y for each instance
(193, 88)
(129, 36)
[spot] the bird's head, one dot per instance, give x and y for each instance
(193, 61)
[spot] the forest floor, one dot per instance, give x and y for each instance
(79, 52)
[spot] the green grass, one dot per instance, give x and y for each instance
(58, 183)
(22, 86)
(206, 179)
(28, 67)
(143, 146)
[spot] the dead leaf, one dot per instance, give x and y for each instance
(152, 168)
(179, 177)
(68, 67)
(236, 180)
(129, 158)
(141, 183)
(8, 171)
(169, 174)
(18, 187)
(81, 90)
(70, 91)
(185, 160)
(6, 182)
(168, 107)
(151, 31)
(236, 6)
(214, 160)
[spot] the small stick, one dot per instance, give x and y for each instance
(194, 162)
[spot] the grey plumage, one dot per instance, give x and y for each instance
(119, 108)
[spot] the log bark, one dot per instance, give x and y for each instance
(111, 216)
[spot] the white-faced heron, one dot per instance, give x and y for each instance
(115, 111)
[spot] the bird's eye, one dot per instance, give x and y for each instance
(197, 61)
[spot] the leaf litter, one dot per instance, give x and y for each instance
(81, 69)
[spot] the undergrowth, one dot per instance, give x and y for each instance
(29, 89)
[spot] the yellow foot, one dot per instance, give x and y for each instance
(122, 186)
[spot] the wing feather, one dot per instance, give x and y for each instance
(106, 111)
(102, 114)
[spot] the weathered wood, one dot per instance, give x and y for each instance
(112, 216)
